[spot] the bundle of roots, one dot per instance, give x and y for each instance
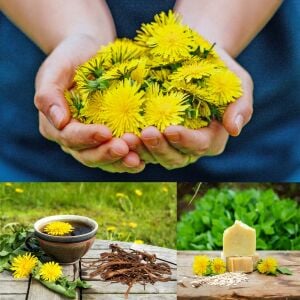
(129, 267)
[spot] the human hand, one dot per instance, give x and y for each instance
(92, 145)
(179, 146)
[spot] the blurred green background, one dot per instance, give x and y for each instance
(205, 210)
(124, 211)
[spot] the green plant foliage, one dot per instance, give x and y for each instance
(276, 220)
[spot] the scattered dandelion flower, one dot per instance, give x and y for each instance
(8, 184)
(201, 265)
(138, 192)
(19, 191)
(218, 266)
(267, 265)
(50, 271)
(138, 242)
(22, 265)
(132, 224)
(111, 228)
(121, 195)
(58, 228)
(165, 189)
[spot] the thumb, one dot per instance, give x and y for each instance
(239, 113)
(53, 78)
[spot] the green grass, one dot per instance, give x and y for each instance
(154, 212)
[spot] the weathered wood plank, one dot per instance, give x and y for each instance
(13, 287)
(104, 245)
(38, 291)
(7, 276)
(259, 286)
(131, 297)
(100, 287)
(13, 297)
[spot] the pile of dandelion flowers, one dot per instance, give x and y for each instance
(162, 110)
(224, 87)
(50, 271)
(58, 228)
(122, 108)
(23, 265)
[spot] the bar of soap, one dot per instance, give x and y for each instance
(239, 240)
(240, 264)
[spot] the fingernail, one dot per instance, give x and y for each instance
(173, 137)
(56, 115)
(153, 142)
(239, 122)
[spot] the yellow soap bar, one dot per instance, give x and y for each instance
(239, 240)
(240, 264)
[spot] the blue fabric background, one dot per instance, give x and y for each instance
(267, 150)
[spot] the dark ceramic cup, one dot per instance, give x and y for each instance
(66, 249)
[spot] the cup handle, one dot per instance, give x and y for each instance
(28, 245)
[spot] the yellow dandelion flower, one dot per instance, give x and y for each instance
(138, 192)
(93, 68)
(167, 37)
(218, 266)
(50, 271)
(201, 265)
(165, 110)
(195, 123)
(193, 70)
(165, 189)
(111, 228)
(19, 191)
(75, 102)
(132, 224)
(267, 266)
(8, 184)
(224, 87)
(141, 71)
(121, 70)
(22, 265)
(58, 228)
(122, 50)
(92, 111)
(138, 242)
(122, 108)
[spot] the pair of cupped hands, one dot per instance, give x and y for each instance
(93, 145)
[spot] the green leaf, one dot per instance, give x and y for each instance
(284, 270)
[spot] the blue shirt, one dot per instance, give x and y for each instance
(267, 150)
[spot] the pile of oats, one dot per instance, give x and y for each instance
(226, 279)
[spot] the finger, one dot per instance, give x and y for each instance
(131, 160)
(165, 154)
(107, 153)
(119, 167)
(75, 135)
(135, 144)
(205, 141)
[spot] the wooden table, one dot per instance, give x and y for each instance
(12, 289)
(259, 286)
